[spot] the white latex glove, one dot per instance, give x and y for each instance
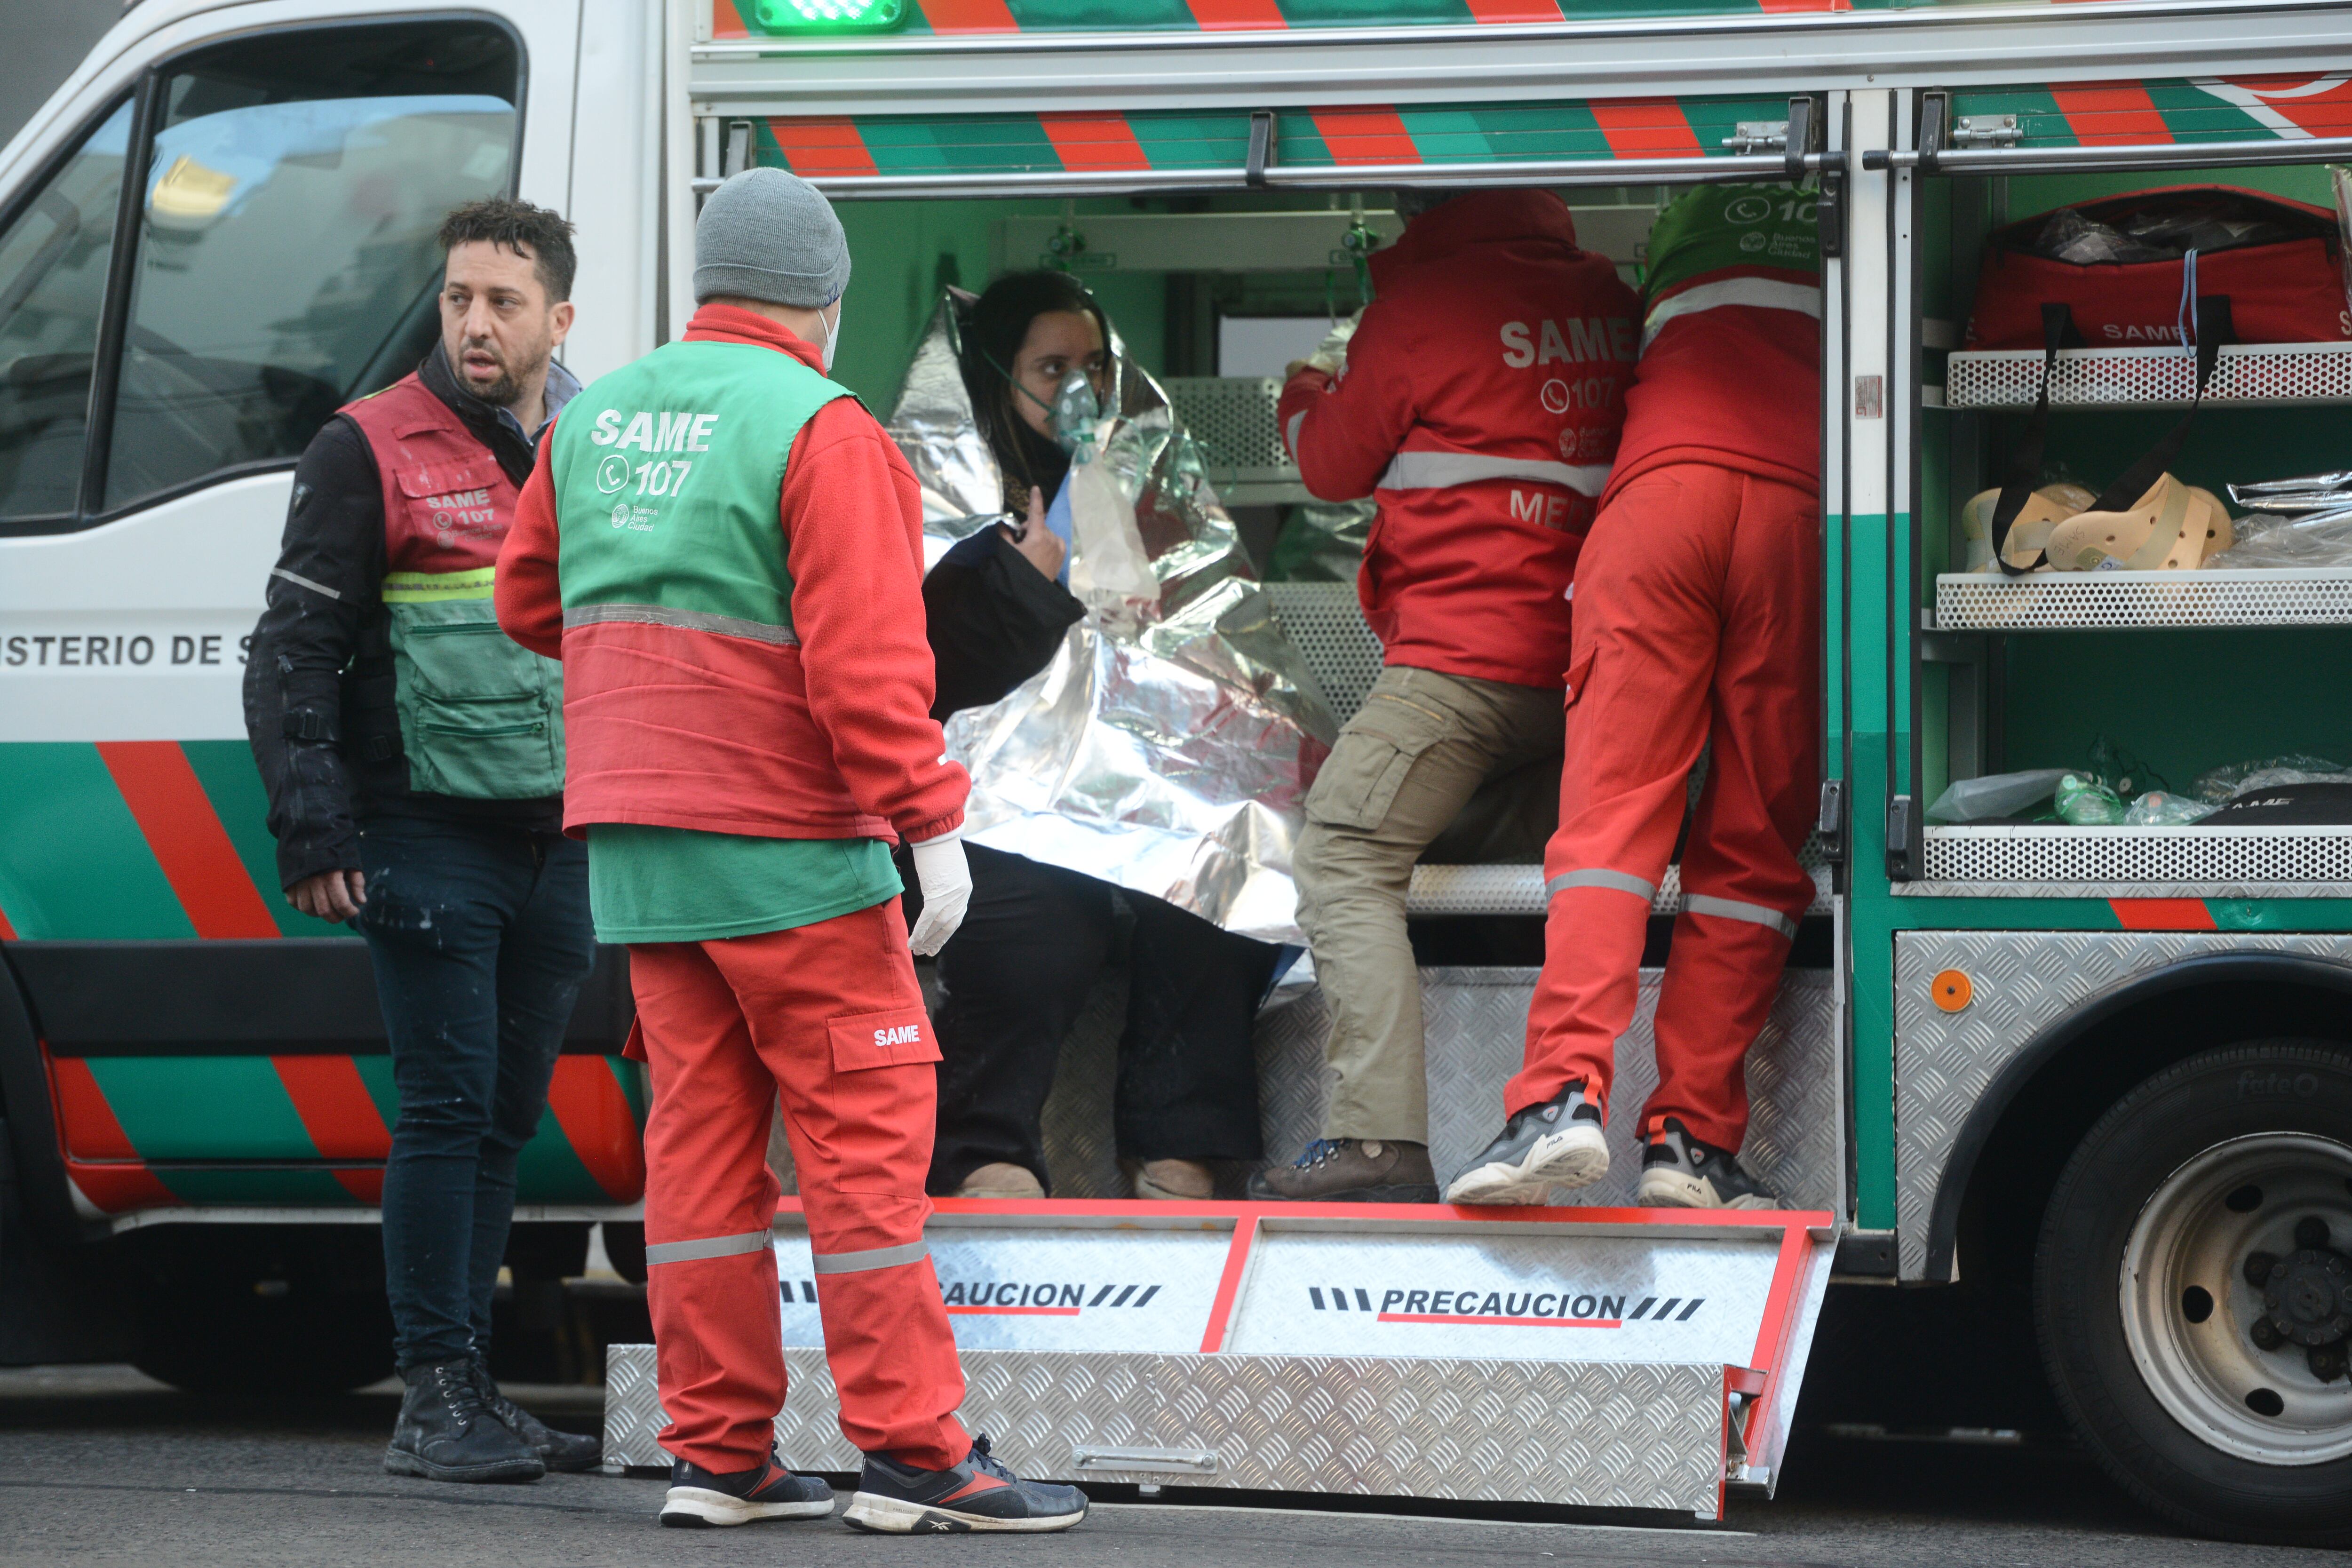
(946, 878)
(1330, 356)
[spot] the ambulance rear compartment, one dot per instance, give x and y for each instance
(1614, 1357)
(1212, 294)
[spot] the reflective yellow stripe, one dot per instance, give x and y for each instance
(423, 587)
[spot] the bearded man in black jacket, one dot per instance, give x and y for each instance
(415, 763)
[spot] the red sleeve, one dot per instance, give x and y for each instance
(853, 522)
(1344, 430)
(530, 600)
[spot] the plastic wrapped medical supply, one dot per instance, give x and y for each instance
(2159, 809)
(2301, 521)
(2264, 543)
(2122, 771)
(2226, 783)
(1995, 794)
(2086, 803)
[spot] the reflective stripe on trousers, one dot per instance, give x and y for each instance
(708, 1246)
(864, 1262)
(1733, 910)
(1601, 877)
(1696, 903)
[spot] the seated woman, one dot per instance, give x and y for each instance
(1037, 936)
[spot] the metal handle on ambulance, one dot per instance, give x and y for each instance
(2079, 160)
(1181, 1461)
(1323, 177)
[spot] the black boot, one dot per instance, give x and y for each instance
(558, 1450)
(447, 1433)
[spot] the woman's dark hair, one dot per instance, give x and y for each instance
(994, 329)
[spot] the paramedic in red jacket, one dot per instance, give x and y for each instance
(1479, 402)
(1697, 615)
(725, 549)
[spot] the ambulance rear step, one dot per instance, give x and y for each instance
(1602, 1357)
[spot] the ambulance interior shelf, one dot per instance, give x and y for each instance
(2266, 262)
(2198, 668)
(2243, 587)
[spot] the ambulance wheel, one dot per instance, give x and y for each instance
(2193, 1292)
(261, 1312)
(327, 1344)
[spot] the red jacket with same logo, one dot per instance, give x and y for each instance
(1480, 406)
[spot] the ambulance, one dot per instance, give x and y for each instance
(2093, 1079)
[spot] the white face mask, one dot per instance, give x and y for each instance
(831, 333)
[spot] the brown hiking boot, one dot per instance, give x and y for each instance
(1352, 1170)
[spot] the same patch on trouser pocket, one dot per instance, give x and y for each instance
(899, 1037)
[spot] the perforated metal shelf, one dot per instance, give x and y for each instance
(2083, 601)
(2136, 862)
(1233, 418)
(2264, 374)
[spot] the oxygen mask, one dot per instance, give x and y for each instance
(1077, 415)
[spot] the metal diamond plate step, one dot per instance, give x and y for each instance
(1607, 1358)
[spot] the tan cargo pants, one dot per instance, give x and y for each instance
(1404, 767)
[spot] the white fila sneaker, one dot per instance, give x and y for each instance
(1556, 1144)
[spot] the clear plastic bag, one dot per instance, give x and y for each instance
(1995, 794)
(2159, 809)
(2165, 231)
(2086, 803)
(2068, 236)
(2223, 784)
(2322, 539)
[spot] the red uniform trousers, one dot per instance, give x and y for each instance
(1697, 612)
(830, 1016)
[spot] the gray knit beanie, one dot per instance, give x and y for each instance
(770, 235)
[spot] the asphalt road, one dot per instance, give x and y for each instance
(99, 1466)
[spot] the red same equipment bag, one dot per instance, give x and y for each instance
(2118, 266)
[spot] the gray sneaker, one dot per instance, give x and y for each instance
(1678, 1172)
(1556, 1144)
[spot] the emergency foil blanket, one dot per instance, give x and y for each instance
(1167, 745)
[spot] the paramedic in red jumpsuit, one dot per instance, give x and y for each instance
(747, 723)
(1698, 617)
(1479, 402)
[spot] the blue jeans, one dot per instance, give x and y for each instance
(481, 939)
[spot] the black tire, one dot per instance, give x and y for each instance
(2121, 1165)
(262, 1314)
(331, 1343)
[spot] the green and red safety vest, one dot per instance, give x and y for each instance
(1732, 332)
(686, 701)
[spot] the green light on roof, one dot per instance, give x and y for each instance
(811, 15)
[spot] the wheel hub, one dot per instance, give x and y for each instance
(2237, 1303)
(2309, 1294)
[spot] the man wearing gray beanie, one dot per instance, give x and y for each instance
(725, 549)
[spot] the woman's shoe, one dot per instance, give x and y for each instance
(1001, 1180)
(1175, 1181)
